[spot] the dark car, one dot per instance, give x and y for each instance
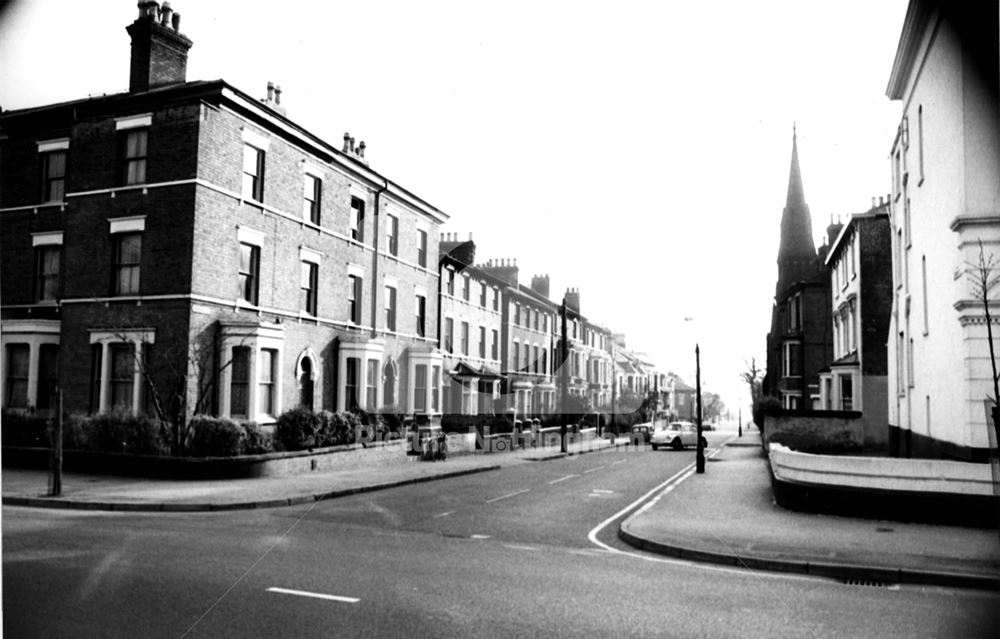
(643, 430)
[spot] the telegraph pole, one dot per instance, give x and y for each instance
(614, 389)
(57, 448)
(700, 455)
(564, 380)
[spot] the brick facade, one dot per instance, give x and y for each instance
(185, 217)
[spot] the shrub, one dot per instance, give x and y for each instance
(338, 429)
(75, 432)
(214, 437)
(299, 428)
(254, 441)
(19, 429)
(394, 421)
(122, 432)
(763, 407)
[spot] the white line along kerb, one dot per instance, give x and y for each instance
(314, 595)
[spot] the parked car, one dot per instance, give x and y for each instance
(676, 434)
(643, 431)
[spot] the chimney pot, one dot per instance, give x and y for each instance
(157, 59)
(176, 22)
(351, 144)
(347, 140)
(277, 94)
(361, 149)
(270, 91)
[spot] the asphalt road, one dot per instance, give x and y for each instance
(507, 553)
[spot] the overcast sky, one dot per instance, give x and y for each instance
(638, 151)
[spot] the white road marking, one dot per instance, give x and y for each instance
(590, 470)
(671, 483)
(518, 547)
(444, 514)
(314, 595)
(620, 461)
(556, 481)
(603, 492)
(479, 536)
(514, 494)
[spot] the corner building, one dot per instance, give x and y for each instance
(186, 248)
(945, 168)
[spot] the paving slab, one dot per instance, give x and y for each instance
(728, 515)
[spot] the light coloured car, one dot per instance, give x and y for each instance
(675, 434)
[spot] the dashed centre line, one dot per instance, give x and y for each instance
(556, 481)
(444, 514)
(314, 595)
(507, 496)
(595, 469)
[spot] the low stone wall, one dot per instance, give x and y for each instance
(927, 490)
(815, 431)
(247, 466)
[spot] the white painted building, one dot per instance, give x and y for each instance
(945, 200)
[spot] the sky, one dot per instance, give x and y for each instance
(637, 151)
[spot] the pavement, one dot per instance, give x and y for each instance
(726, 515)
(107, 492)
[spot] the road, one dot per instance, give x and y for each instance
(501, 554)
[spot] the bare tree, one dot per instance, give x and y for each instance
(985, 276)
(168, 390)
(752, 376)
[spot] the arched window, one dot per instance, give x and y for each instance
(306, 383)
(389, 384)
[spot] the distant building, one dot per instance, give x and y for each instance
(945, 201)
(860, 270)
(799, 345)
(471, 331)
(189, 248)
(527, 360)
(683, 399)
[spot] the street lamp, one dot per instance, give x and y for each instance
(700, 449)
(700, 454)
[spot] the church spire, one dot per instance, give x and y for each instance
(797, 251)
(796, 197)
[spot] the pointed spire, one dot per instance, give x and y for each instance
(796, 196)
(797, 250)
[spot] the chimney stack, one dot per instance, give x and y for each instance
(573, 299)
(159, 50)
(504, 269)
(540, 285)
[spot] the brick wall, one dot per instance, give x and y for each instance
(815, 431)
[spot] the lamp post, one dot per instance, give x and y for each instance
(614, 389)
(564, 381)
(700, 455)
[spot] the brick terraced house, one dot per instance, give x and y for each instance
(471, 330)
(189, 247)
